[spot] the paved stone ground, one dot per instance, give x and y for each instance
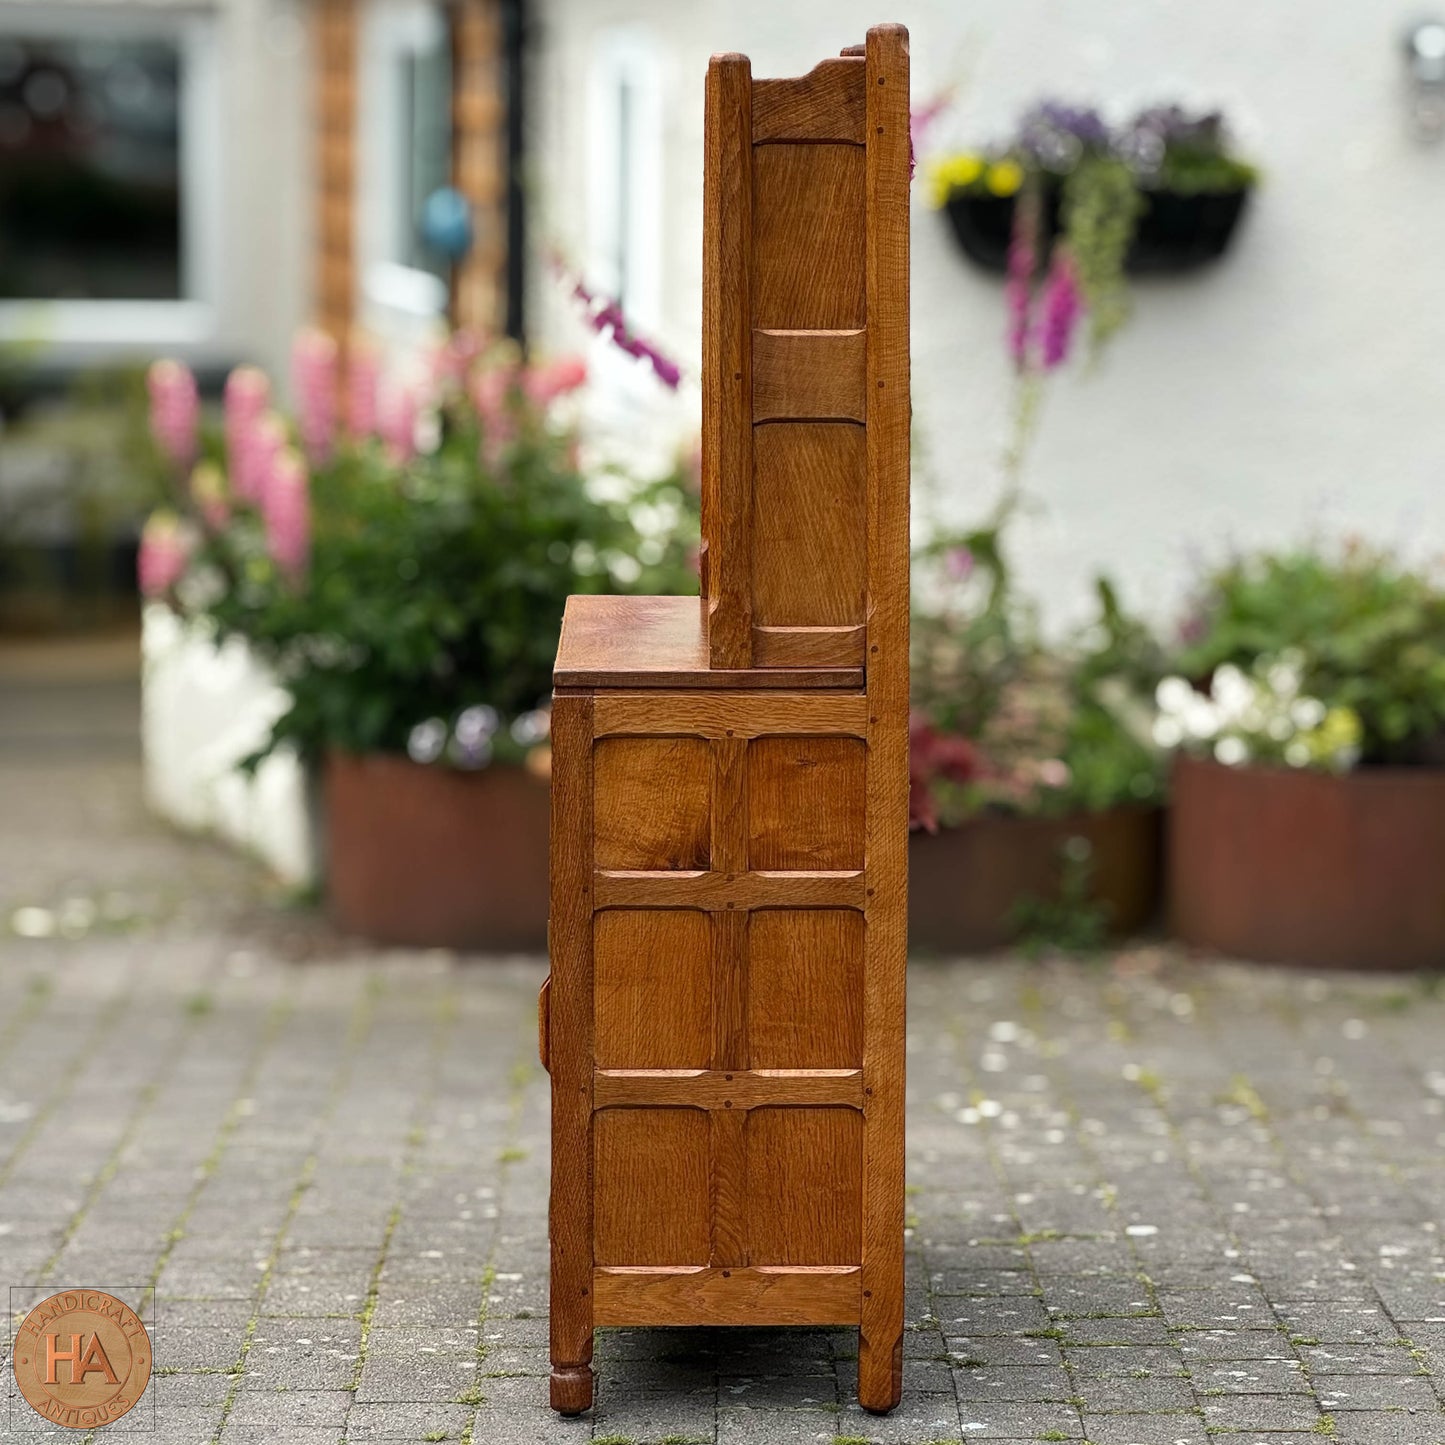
(1153, 1200)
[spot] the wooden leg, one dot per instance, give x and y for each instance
(880, 1372)
(569, 1050)
(571, 1388)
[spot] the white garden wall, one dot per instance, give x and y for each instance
(203, 709)
(1295, 386)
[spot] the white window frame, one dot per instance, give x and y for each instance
(625, 56)
(398, 303)
(191, 320)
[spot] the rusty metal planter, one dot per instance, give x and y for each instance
(965, 882)
(1299, 867)
(433, 857)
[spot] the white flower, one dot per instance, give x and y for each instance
(1167, 732)
(427, 740)
(1297, 754)
(1231, 751)
(1307, 713)
(1173, 695)
(1232, 692)
(1202, 719)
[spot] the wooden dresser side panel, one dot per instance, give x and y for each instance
(728, 1004)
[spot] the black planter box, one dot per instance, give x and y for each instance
(1176, 232)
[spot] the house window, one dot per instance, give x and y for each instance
(105, 142)
(624, 190)
(406, 154)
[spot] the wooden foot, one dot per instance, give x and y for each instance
(880, 1374)
(571, 1389)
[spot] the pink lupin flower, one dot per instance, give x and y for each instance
(401, 404)
(363, 371)
(248, 393)
(286, 512)
(164, 552)
(314, 379)
(175, 411)
(544, 384)
(1061, 308)
(266, 441)
(208, 492)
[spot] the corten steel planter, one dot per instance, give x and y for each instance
(433, 857)
(965, 882)
(1290, 866)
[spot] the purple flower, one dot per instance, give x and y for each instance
(1061, 308)
(605, 316)
(1054, 135)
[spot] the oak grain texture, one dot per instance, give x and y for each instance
(660, 642)
(726, 1090)
(807, 259)
(802, 375)
(569, 932)
(801, 647)
(804, 1185)
(727, 436)
(805, 803)
(810, 550)
(880, 1351)
(805, 989)
(653, 1197)
(720, 715)
(651, 805)
(727, 1296)
(785, 888)
(826, 104)
(653, 989)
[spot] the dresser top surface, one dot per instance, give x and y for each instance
(662, 642)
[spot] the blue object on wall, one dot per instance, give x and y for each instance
(446, 223)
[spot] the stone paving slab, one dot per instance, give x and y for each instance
(1152, 1200)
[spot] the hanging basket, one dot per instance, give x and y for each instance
(1177, 231)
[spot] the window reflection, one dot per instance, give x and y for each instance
(90, 191)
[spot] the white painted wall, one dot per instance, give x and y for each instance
(1298, 385)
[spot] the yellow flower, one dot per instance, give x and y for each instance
(1004, 177)
(952, 173)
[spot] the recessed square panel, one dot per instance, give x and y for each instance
(808, 237)
(652, 803)
(805, 803)
(652, 988)
(809, 533)
(805, 988)
(804, 1186)
(650, 1187)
